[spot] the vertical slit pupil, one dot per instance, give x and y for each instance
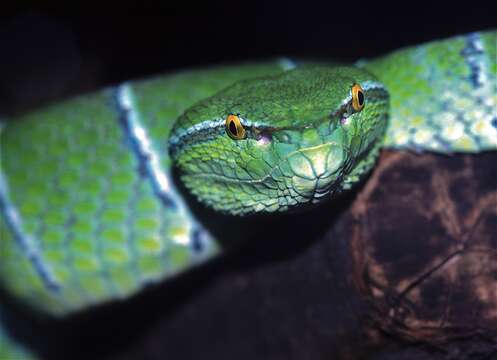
(233, 128)
(360, 97)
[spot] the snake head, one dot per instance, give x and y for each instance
(281, 142)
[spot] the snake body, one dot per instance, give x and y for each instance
(91, 212)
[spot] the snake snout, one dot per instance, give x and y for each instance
(316, 169)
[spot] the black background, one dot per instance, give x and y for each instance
(46, 55)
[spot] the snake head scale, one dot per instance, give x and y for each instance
(281, 142)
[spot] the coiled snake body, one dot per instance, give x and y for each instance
(89, 208)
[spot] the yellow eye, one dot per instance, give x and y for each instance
(234, 127)
(357, 97)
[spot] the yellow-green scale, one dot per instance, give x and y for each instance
(64, 176)
(442, 94)
(82, 196)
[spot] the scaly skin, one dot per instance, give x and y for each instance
(443, 94)
(299, 147)
(94, 223)
(90, 211)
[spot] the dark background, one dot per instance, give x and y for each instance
(46, 55)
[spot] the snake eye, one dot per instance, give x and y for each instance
(234, 127)
(357, 97)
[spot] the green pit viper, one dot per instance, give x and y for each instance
(89, 209)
